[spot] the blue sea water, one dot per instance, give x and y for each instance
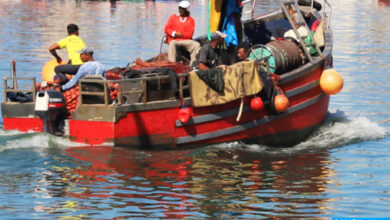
(341, 171)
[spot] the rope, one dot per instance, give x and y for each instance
(240, 110)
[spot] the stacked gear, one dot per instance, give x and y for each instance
(177, 67)
(113, 90)
(159, 62)
(72, 95)
(72, 99)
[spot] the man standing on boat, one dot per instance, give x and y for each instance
(73, 43)
(90, 67)
(210, 54)
(179, 30)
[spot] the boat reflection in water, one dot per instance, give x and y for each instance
(179, 184)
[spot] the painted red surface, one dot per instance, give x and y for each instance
(56, 105)
(91, 132)
(246, 117)
(311, 116)
(314, 75)
(160, 122)
(23, 124)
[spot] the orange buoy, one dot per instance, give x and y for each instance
(257, 104)
(331, 82)
(184, 115)
(48, 70)
(281, 103)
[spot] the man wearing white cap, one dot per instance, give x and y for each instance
(179, 30)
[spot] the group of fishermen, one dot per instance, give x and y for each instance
(81, 61)
(179, 31)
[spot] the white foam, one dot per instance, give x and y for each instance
(9, 132)
(338, 130)
(18, 140)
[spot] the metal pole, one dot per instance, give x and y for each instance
(13, 74)
(5, 89)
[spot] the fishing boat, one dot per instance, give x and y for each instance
(276, 98)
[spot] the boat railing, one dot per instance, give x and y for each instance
(248, 10)
(182, 78)
(327, 13)
(326, 10)
(130, 91)
(19, 86)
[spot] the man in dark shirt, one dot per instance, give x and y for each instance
(209, 55)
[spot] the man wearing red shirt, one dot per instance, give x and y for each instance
(179, 30)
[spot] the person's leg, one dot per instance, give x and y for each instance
(61, 70)
(193, 47)
(172, 50)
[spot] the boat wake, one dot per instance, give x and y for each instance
(18, 140)
(338, 130)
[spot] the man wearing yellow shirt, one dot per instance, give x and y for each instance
(73, 43)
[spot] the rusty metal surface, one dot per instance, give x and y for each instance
(94, 113)
(287, 55)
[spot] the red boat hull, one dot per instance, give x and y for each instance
(23, 124)
(161, 127)
(284, 130)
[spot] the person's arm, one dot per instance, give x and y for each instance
(202, 58)
(169, 27)
(189, 30)
(203, 66)
(53, 49)
(178, 34)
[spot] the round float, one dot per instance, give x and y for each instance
(281, 103)
(331, 82)
(48, 70)
(257, 104)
